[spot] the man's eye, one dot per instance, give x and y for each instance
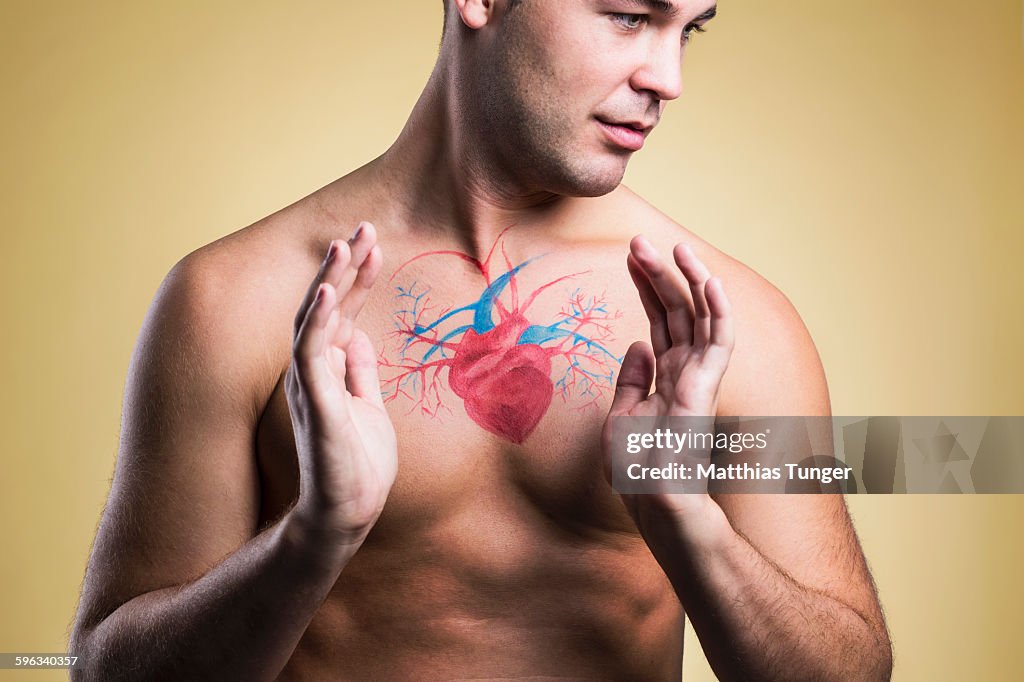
(630, 22)
(691, 29)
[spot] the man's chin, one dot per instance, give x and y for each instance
(595, 181)
(592, 191)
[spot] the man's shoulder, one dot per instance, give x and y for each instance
(245, 287)
(746, 285)
(229, 304)
(256, 270)
(775, 368)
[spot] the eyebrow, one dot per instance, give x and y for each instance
(710, 14)
(670, 9)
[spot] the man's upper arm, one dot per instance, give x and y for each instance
(185, 489)
(778, 373)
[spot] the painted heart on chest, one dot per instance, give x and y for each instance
(500, 364)
(506, 387)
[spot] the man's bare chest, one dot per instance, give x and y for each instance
(498, 376)
(497, 373)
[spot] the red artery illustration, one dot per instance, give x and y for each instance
(505, 368)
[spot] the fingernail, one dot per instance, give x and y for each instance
(332, 250)
(319, 293)
(359, 231)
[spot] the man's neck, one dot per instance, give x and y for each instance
(438, 172)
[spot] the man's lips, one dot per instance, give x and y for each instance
(626, 134)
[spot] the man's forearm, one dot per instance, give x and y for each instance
(240, 621)
(754, 621)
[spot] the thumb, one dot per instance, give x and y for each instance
(635, 377)
(361, 368)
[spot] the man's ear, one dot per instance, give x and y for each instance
(475, 13)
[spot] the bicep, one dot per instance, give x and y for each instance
(808, 536)
(185, 489)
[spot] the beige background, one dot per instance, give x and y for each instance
(866, 157)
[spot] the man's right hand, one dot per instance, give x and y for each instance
(345, 440)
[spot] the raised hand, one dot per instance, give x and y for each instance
(692, 340)
(691, 343)
(344, 437)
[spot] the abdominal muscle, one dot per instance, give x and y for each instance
(490, 560)
(484, 595)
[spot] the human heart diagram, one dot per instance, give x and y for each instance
(504, 367)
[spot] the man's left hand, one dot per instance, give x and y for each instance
(692, 340)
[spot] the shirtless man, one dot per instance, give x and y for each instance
(287, 507)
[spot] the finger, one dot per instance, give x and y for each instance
(697, 275)
(341, 266)
(357, 295)
(723, 332)
(336, 260)
(309, 357)
(361, 364)
(669, 287)
(362, 242)
(635, 376)
(660, 339)
(355, 281)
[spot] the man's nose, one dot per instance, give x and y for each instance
(661, 72)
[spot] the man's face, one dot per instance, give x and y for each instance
(570, 88)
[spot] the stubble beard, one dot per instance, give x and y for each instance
(526, 124)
